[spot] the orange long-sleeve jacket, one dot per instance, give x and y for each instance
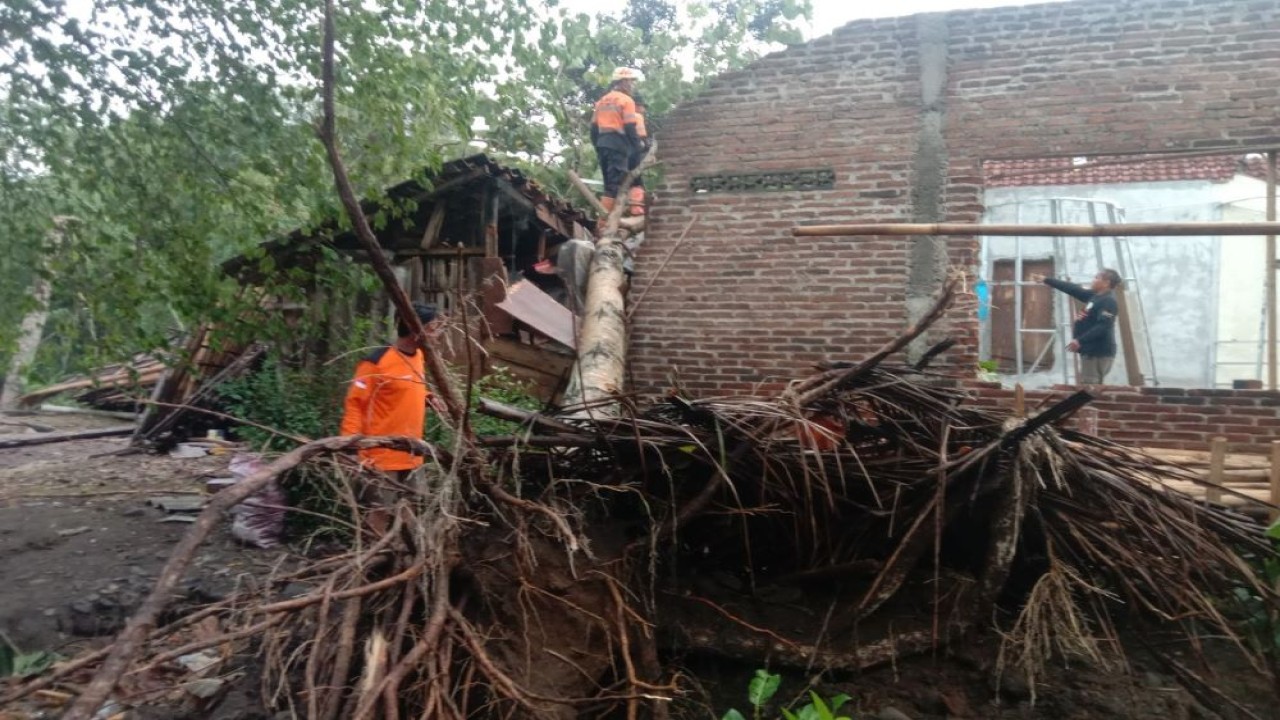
(387, 396)
(613, 124)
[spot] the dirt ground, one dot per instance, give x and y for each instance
(80, 546)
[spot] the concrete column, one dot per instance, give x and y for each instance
(928, 258)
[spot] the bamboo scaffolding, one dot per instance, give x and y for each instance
(1271, 271)
(1185, 229)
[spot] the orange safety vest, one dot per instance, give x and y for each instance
(387, 396)
(614, 112)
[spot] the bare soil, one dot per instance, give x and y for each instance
(80, 546)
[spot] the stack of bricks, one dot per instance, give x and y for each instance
(1165, 417)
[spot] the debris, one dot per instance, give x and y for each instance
(186, 451)
(177, 503)
(74, 531)
(200, 661)
(892, 713)
(204, 688)
(88, 412)
(259, 520)
(533, 307)
(54, 437)
(213, 485)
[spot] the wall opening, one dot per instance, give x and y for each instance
(1194, 306)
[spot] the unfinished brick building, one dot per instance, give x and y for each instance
(890, 121)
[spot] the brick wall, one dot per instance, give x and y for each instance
(1184, 419)
(904, 111)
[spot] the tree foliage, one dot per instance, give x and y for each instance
(179, 133)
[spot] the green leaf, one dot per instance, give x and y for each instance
(733, 715)
(14, 663)
(808, 712)
(821, 711)
(763, 687)
(1273, 532)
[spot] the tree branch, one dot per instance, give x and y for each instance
(404, 307)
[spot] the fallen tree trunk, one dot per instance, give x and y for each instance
(600, 369)
(55, 437)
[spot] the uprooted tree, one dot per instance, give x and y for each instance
(554, 571)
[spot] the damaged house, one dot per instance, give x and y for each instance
(476, 229)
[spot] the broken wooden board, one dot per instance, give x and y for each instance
(533, 307)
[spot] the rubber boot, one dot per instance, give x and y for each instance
(635, 201)
(607, 202)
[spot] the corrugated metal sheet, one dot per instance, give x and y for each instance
(528, 304)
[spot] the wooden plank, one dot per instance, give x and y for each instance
(53, 437)
(1201, 457)
(1186, 229)
(1217, 455)
(531, 356)
(1127, 344)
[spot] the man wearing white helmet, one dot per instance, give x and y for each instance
(613, 131)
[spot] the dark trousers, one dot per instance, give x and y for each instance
(613, 166)
(634, 162)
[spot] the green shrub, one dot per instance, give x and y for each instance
(765, 685)
(499, 385)
(294, 401)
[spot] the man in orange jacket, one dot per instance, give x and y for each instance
(388, 396)
(613, 131)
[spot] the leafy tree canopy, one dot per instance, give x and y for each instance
(179, 133)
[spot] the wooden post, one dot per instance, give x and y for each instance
(1217, 469)
(1127, 344)
(1019, 401)
(1275, 477)
(1271, 272)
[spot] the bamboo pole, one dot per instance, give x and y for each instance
(1192, 229)
(1271, 271)
(1217, 465)
(1275, 476)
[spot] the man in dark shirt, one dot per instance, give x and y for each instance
(1094, 331)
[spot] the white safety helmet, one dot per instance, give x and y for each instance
(626, 73)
